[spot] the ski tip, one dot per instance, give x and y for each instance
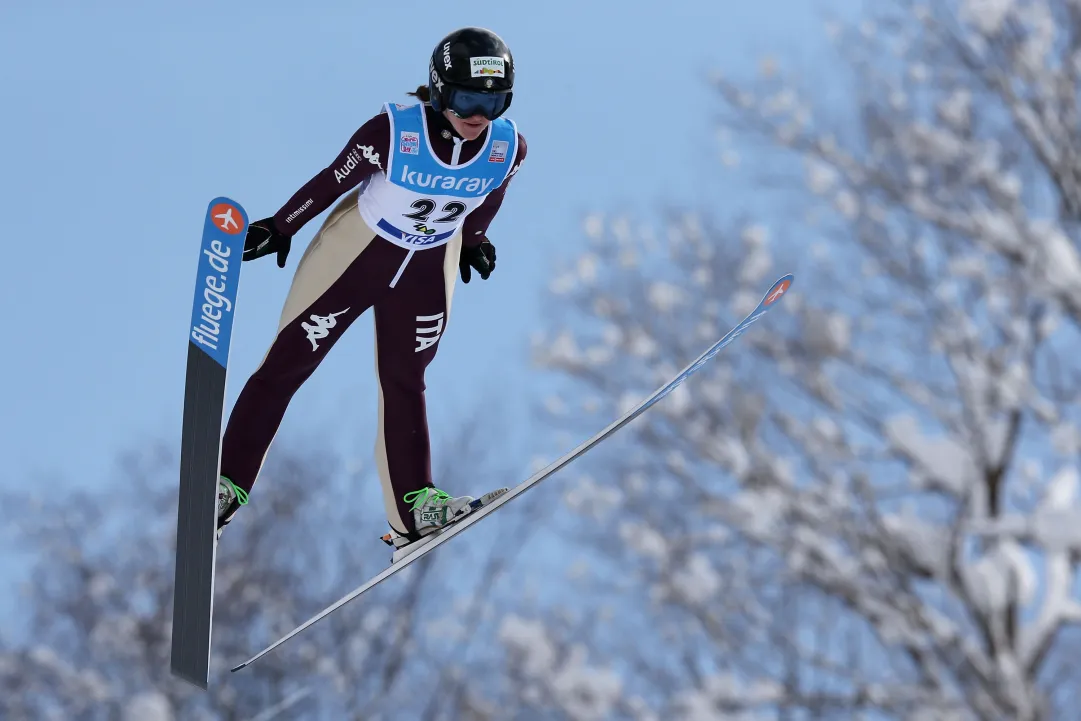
(234, 669)
(225, 199)
(777, 290)
(227, 215)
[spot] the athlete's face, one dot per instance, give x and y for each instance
(469, 128)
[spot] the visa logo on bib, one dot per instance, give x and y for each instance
(413, 239)
(465, 185)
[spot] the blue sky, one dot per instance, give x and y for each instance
(122, 120)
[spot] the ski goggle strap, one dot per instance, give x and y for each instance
(467, 103)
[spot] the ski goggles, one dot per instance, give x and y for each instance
(467, 103)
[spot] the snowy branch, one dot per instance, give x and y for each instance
(901, 438)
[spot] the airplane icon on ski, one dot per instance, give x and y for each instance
(225, 218)
(777, 291)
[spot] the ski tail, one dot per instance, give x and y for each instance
(772, 296)
(209, 335)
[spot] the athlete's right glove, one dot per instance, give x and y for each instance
(263, 239)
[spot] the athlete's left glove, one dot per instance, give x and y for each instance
(263, 239)
(478, 257)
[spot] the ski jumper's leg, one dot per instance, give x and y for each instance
(409, 321)
(343, 272)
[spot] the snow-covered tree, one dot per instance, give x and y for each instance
(867, 507)
(95, 614)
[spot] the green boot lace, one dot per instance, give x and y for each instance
(419, 498)
(240, 493)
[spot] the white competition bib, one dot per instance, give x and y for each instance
(419, 201)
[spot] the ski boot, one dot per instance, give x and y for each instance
(433, 511)
(230, 498)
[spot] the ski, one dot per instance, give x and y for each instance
(217, 280)
(776, 291)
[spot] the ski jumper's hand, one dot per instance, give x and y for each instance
(478, 257)
(263, 239)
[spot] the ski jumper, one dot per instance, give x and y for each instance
(409, 188)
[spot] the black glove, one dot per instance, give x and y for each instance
(263, 239)
(479, 257)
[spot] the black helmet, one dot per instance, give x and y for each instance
(471, 72)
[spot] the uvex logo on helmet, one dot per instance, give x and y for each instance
(437, 82)
(446, 56)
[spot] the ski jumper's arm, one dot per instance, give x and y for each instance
(475, 226)
(364, 155)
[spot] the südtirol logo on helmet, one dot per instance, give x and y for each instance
(487, 66)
